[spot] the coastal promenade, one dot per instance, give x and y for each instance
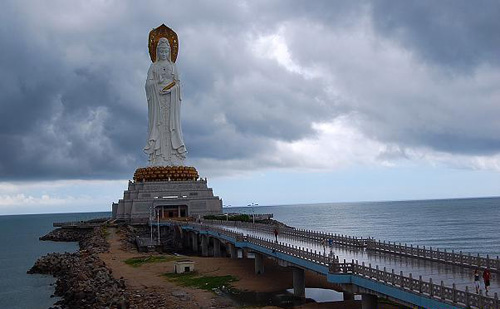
(414, 276)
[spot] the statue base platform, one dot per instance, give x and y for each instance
(166, 193)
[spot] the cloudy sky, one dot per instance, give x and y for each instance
(284, 102)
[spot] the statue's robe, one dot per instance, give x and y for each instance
(165, 144)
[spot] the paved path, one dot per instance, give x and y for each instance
(438, 271)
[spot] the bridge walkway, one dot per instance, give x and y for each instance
(438, 271)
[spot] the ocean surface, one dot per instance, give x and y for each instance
(470, 225)
(19, 250)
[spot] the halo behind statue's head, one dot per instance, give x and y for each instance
(163, 32)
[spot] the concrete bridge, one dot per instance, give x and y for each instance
(412, 276)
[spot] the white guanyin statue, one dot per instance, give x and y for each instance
(165, 145)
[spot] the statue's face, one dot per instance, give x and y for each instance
(163, 52)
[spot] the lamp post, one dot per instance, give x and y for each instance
(253, 212)
(151, 218)
(226, 214)
(158, 223)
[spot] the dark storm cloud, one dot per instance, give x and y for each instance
(438, 91)
(72, 79)
(458, 34)
(60, 118)
(74, 107)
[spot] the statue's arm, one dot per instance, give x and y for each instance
(176, 74)
(177, 82)
(150, 82)
(151, 78)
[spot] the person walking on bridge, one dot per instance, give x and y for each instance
(486, 278)
(476, 280)
(323, 243)
(276, 234)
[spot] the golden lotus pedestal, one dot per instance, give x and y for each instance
(165, 173)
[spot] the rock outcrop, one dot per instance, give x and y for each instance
(83, 280)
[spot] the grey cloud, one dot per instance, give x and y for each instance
(73, 103)
(456, 34)
(51, 110)
(256, 98)
(77, 117)
(411, 97)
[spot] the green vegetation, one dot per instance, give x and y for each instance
(140, 260)
(208, 283)
(240, 217)
(105, 231)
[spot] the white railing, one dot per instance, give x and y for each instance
(460, 259)
(428, 289)
(296, 251)
(438, 255)
(291, 250)
(205, 227)
(299, 234)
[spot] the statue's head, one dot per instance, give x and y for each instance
(163, 50)
(163, 33)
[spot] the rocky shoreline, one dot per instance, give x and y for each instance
(83, 280)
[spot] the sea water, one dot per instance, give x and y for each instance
(470, 225)
(19, 250)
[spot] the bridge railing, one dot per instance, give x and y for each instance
(203, 227)
(428, 289)
(318, 236)
(296, 251)
(437, 255)
(452, 257)
(301, 234)
(266, 228)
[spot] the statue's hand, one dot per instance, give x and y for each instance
(167, 88)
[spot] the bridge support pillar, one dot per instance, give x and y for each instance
(233, 251)
(189, 240)
(194, 242)
(348, 295)
(185, 239)
(204, 245)
(299, 282)
(259, 263)
(369, 301)
(217, 247)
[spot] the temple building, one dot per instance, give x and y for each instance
(157, 193)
